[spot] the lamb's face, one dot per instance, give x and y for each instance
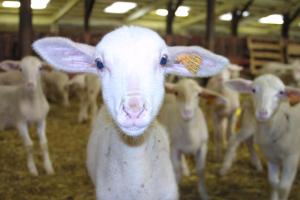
(132, 77)
(187, 96)
(30, 68)
(267, 92)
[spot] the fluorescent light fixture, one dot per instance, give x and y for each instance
(35, 4)
(39, 4)
(228, 16)
(272, 19)
(182, 11)
(120, 7)
(161, 12)
(11, 4)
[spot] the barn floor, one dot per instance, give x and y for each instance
(67, 143)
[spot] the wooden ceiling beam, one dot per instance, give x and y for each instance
(64, 10)
(144, 10)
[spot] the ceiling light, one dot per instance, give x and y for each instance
(272, 19)
(120, 7)
(161, 12)
(39, 4)
(35, 4)
(228, 16)
(182, 11)
(11, 4)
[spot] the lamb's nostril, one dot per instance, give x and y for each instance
(133, 107)
(263, 113)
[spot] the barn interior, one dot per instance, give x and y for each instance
(249, 33)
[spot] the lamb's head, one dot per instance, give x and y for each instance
(29, 67)
(131, 63)
(187, 93)
(267, 92)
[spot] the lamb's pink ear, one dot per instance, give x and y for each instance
(66, 55)
(240, 85)
(194, 61)
(7, 65)
(293, 95)
(212, 96)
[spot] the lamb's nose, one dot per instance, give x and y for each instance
(134, 106)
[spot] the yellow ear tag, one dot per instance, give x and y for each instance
(190, 62)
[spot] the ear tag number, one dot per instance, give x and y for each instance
(190, 62)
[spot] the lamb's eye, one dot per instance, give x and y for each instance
(164, 60)
(253, 90)
(99, 63)
(281, 92)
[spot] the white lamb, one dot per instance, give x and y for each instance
(128, 150)
(26, 104)
(186, 124)
(87, 88)
(223, 116)
(278, 133)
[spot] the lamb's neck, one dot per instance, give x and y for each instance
(271, 127)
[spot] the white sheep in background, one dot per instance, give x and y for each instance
(56, 86)
(246, 133)
(288, 73)
(187, 126)
(223, 116)
(87, 88)
(25, 104)
(128, 150)
(278, 133)
(55, 83)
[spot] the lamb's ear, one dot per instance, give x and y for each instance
(235, 67)
(194, 61)
(240, 85)
(293, 95)
(170, 87)
(212, 96)
(66, 55)
(7, 65)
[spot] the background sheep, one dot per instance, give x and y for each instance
(125, 143)
(87, 88)
(278, 129)
(25, 104)
(56, 86)
(223, 116)
(186, 124)
(248, 127)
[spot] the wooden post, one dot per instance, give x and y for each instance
(237, 16)
(171, 15)
(25, 28)
(210, 24)
(88, 7)
(288, 18)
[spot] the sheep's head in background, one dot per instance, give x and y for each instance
(131, 63)
(30, 69)
(187, 93)
(267, 91)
